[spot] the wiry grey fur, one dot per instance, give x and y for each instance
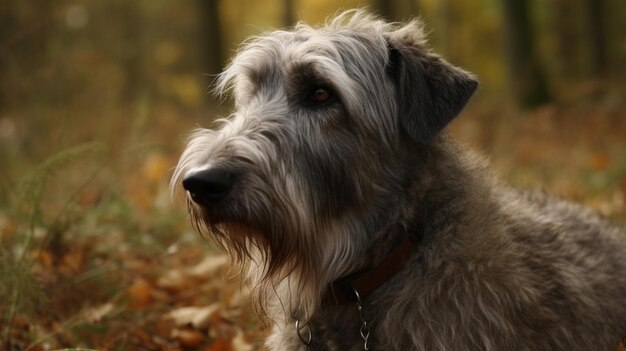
(494, 268)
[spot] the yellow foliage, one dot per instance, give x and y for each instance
(186, 88)
(156, 168)
(167, 53)
(317, 11)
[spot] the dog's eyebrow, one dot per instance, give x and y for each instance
(260, 73)
(305, 70)
(249, 76)
(316, 72)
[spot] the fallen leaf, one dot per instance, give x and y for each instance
(198, 317)
(181, 279)
(73, 260)
(188, 338)
(140, 294)
(7, 227)
(239, 342)
(220, 345)
(600, 161)
(95, 314)
(45, 258)
(208, 267)
(174, 279)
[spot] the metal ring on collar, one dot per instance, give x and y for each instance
(309, 337)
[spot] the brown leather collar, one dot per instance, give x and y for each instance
(367, 280)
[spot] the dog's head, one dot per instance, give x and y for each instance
(310, 164)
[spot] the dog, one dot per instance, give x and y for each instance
(359, 224)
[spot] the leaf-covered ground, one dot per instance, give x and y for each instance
(95, 254)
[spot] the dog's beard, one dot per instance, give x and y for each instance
(276, 256)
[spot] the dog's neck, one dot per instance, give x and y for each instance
(430, 177)
(300, 295)
(361, 284)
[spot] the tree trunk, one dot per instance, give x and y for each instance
(396, 10)
(7, 25)
(383, 8)
(597, 37)
(451, 15)
(527, 78)
(288, 13)
(131, 58)
(211, 36)
(567, 38)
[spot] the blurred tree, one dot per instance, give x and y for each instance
(597, 36)
(396, 10)
(527, 77)
(7, 23)
(288, 13)
(451, 15)
(565, 26)
(131, 58)
(26, 30)
(42, 31)
(211, 32)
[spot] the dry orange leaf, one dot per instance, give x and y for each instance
(45, 258)
(7, 226)
(90, 196)
(188, 338)
(620, 347)
(140, 294)
(600, 161)
(155, 168)
(220, 345)
(74, 259)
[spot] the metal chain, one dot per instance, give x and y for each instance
(306, 341)
(364, 330)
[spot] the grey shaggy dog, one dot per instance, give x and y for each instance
(335, 139)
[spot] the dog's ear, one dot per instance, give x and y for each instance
(430, 91)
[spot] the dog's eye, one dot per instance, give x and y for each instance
(321, 95)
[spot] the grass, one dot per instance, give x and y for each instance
(77, 229)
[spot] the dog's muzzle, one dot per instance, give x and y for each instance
(209, 186)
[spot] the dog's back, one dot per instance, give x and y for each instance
(579, 264)
(500, 268)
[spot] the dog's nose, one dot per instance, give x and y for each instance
(208, 186)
